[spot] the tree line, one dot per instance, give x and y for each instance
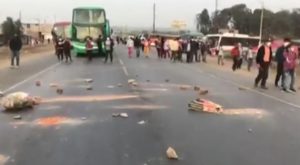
(11, 28)
(284, 23)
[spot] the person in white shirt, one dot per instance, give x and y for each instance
(220, 54)
(130, 45)
(249, 55)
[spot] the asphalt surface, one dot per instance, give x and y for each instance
(267, 133)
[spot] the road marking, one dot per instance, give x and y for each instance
(250, 89)
(121, 62)
(125, 71)
(31, 77)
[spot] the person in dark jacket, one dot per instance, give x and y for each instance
(137, 45)
(100, 45)
(15, 45)
(60, 49)
(194, 50)
(280, 61)
(263, 61)
(67, 50)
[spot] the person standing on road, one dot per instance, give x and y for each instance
(188, 51)
(249, 54)
(194, 50)
(67, 50)
(15, 45)
(174, 46)
(60, 49)
(220, 54)
(137, 46)
(235, 54)
(109, 44)
(241, 56)
(280, 59)
(146, 48)
(290, 64)
(166, 49)
(100, 45)
(158, 48)
(89, 48)
(130, 45)
(263, 61)
(203, 49)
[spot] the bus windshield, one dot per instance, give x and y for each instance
(63, 31)
(230, 41)
(82, 32)
(89, 16)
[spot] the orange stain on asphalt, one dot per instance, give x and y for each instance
(88, 98)
(51, 121)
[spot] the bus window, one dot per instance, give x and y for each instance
(98, 17)
(229, 41)
(81, 16)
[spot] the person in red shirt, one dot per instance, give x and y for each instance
(289, 66)
(235, 54)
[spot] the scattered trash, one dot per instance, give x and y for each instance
(124, 115)
(148, 80)
(171, 153)
(130, 81)
(89, 88)
(83, 118)
(19, 100)
(120, 85)
(167, 80)
(203, 105)
(18, 117)
(250, 130)
(203, 92)
(136, 76)
(88, 80)
(59, 91)
(38, 83)
(196, 88)
(110, 86)
(184, 87)
(135, 84)
(142, 122)
(242, 88)
(1, 94)
(53, 85)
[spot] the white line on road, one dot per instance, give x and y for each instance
(121, 62)
(31, 77)
(125, 70)
(250, 89)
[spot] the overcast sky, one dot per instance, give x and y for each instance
(135, 13)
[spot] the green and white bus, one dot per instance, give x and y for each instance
(88, 22)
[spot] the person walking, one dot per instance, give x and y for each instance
(263, 61)
(194, 50)
(158, 48)
(241, 56)
(166, 49)
(188, 51)
(60, 49)
(220, 54)
(290, 64)
(15, 45)
(235, 54)
(89, 48)
(249, 56)
(109, 44)
(146, 48)
(137, 46)
(130, 45)
(174, 46)
(203, 49)
(67, 50)
(100, 45)
(280, 59)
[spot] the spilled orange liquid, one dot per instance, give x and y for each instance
(51, 121)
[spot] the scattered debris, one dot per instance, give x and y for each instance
(136, 76)
(135, 84)
(184, 87)
(3, 159)
(56, 120)
(142, 122)
(250, 130)
(89, 88)
(83, 118)
(242, 88)
(130, 81)
(203, 105)
(110, 86)
(203, 92)
(171, 153)
(124, 115)
(147, 80)
(53, 85)
(120, 85)
(197, 88)
(1, 94)
(18, 117)
(89, 80)
(59, 91)
(167, 80)
(19, 100)
(38, 83)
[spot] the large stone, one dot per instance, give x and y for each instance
(19, 100)
(171, 153)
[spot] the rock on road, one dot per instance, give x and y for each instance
(78, 128)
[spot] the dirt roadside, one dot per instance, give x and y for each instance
(27, 53)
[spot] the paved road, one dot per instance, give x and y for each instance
(83, 131)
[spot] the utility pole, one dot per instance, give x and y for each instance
(154, 17)
(217, 3)
(261, 24)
